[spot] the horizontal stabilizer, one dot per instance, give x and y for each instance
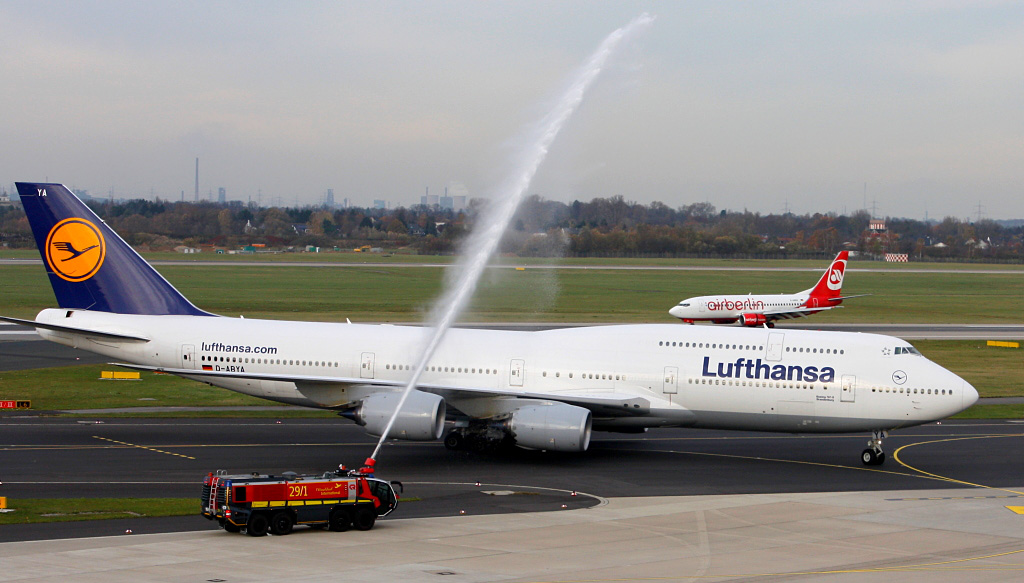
(847, 297)
(76, 331)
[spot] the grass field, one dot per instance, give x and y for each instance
(33, 510)
(385, 294)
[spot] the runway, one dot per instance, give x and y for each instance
(60, 458)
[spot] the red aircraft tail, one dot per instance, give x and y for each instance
(829, 287)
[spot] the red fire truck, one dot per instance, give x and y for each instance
(266, 503)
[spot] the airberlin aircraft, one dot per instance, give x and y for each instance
(541, 390)
(764, 310)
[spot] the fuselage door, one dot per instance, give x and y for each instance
(366, 366)
(814, 302)
(188, 356)
(849, 392)
(515, 372)
(671, 385)
(775, 341)
(702, 304)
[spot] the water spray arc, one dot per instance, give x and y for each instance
(484, 240)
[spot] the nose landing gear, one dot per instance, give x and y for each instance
(873, 455)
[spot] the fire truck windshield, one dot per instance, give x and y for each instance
(385, 493)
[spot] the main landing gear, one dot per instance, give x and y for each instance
(873, 455)
(482, 438)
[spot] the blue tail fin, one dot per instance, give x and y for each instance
(90, 267)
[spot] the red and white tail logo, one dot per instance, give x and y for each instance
(835, 275)
(831, 281)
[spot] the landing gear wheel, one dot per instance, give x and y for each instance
(454, 440)
(340, 520)
(364, 518)
(257, 525)
(281, 523)
(871, 457)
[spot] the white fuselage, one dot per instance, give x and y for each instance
(728, 378)
(733, 307)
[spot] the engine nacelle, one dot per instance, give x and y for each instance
(421, 418)
(555, 427)
(753, 320)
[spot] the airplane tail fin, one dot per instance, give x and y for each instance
(90, 266)
(830, 286)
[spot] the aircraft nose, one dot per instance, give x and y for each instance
(676, 311)
(970, 395)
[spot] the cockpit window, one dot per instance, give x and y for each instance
(907, 350)
(685, 305)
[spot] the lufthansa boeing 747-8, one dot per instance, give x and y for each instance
(543, 390)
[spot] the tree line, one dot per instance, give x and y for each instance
(602, 227)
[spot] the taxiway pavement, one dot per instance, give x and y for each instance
(46, 457)
(668, 505)
(907, 536)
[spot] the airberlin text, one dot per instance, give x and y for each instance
(755, 369)
(744, 304)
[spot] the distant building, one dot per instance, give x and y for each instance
(222, 195)
(329, 201)
(877, 225)
(458, 195)
(448, 203)
(430, 200)
(380, 204)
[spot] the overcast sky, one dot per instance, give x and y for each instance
(745, 105)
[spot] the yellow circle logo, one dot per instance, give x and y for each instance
(75, 249)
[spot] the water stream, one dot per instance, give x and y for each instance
(483, 241)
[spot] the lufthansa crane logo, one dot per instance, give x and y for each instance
(75, 249)
(835, 275)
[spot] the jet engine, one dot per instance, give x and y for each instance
(555, 427)
(753, 320)
(421, 417)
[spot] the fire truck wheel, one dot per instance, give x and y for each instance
(340, 520)
(364, 518)
(257, 525)
(231, 527)
(281, 523)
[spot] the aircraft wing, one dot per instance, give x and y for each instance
(803, 312)
(328, 390)
(79, 331)
(793, 313)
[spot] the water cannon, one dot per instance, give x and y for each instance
(367, 468)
